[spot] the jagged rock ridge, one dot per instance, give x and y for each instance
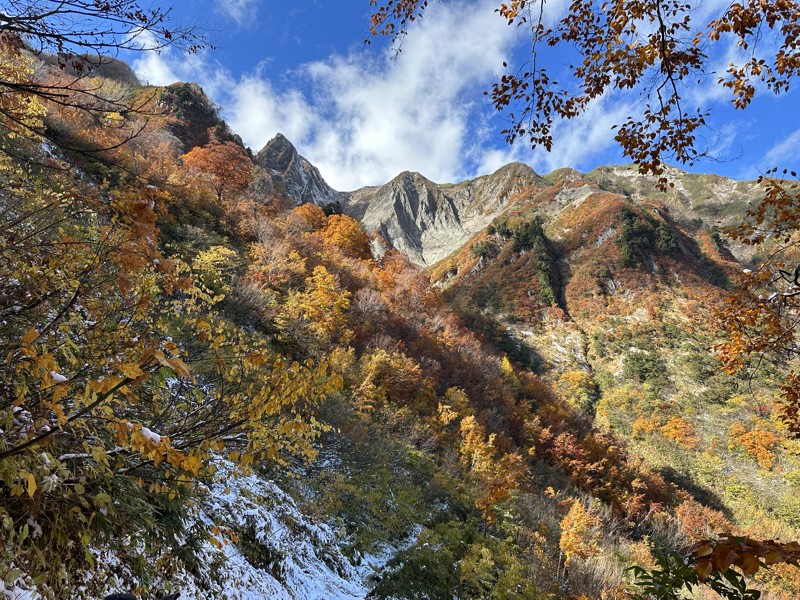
(196, 120)
(424, 220)
(300, 180)
(429, 222)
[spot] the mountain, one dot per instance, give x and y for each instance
(500, 388)
(285, 171)
(192, 116)
(423, 220)
(428, 222)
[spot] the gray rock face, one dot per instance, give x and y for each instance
(427, 221)
(424, 220)
(300, 180)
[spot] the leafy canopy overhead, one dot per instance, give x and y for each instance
(77, 31)
(661, 49)
(77, 37)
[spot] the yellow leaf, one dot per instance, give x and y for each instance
(131, 370)
(181, 368)
(31, 485)
(30, 335)
(59, 392)
(108, 383)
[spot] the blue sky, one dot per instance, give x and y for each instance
(362, 114)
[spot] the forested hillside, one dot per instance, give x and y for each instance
(213, 385)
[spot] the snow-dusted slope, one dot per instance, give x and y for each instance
(280, 554)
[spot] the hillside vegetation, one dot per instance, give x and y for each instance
(189, 354)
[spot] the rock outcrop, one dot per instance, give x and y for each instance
(427, 221)
(294, 175)
(195, 119)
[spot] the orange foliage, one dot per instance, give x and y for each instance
(346, 234)
(758, 443)
(643, 425)
(580, 533)
(700, 522)
(745, 553)
(597, 462)
(274, 263)
(227, 165)
(497, 477)
(680, 432)
(760, 316)
(312, 215)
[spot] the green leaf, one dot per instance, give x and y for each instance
(11, 576)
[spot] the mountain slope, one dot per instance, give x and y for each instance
(428, 222)
(421, 219)
(519, 429)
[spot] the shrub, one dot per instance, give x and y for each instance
(483, 249)
(639, 234)
(644, 366)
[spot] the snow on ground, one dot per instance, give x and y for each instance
(15, 592)
(280, 553)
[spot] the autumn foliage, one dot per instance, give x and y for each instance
(151, 330)
(653, 47)
(226, 164)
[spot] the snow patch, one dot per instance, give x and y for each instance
(58, 377)
(151, 436)
(266, 548)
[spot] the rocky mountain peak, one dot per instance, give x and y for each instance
(518, 169)
(429, 221)
(277, 155)
(197, 121)
(301, 180)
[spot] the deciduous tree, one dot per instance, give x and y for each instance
(346, 234)
(497, 475)
(226, 164)
(657, 49)
(79, 37)
(580, 533)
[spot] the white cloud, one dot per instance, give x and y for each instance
(782, 154)
(153, 69)
(579, 141)
(151, 66)
(371, 115)
(243, 12)
(365, 116)
(169, 65)
(257, 111)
